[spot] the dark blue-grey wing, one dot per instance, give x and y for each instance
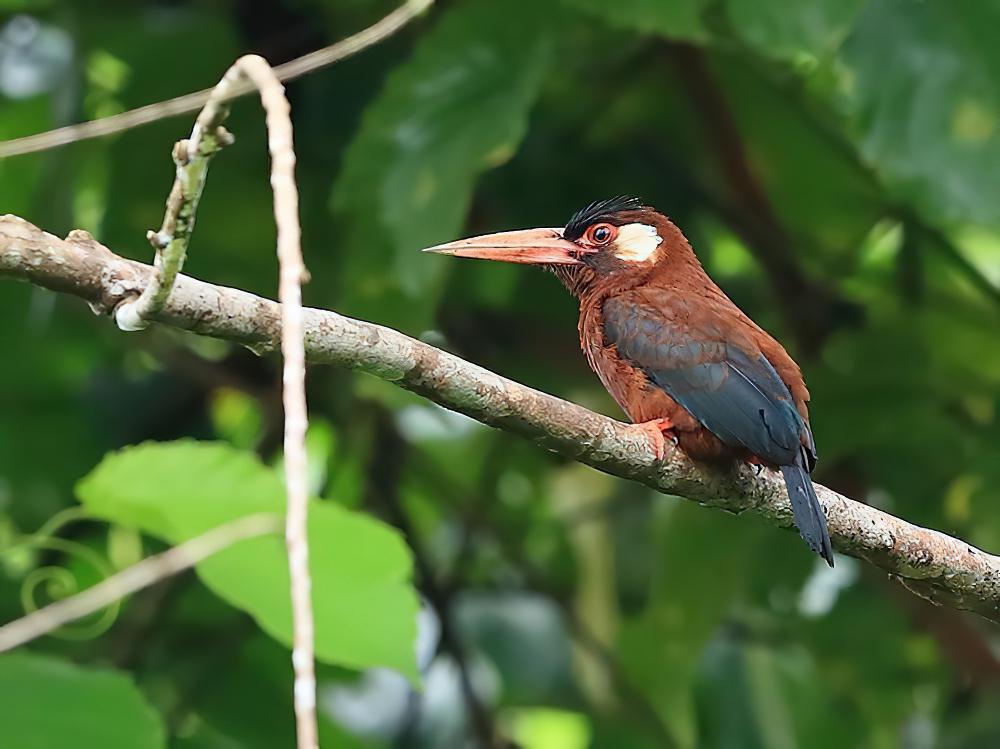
(739, 398)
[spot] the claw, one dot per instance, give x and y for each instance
(659, 430)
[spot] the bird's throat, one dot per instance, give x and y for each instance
(578, 279)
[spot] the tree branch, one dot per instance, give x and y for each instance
(191, 159)
(943, 569)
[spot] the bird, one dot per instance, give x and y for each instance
(676, 354)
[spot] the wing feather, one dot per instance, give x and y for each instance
(735, 394)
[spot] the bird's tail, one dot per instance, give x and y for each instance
(807, 511)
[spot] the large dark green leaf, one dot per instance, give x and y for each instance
(922, 88)
(458, 107)
(675, 19)
(821, 195)
(792, 28)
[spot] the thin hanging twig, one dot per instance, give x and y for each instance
(192, 102)
(133, 579)
(256, 71)
(191, 157)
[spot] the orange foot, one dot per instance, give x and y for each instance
(659, 431)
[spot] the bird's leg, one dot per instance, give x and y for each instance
(659, 431)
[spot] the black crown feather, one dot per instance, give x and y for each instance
(597, 211)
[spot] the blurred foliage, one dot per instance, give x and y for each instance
(844, 149)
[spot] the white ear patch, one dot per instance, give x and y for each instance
(636, 242)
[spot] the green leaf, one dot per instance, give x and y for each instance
(792, 28)
(48, 703)
(457, 108)
(795, 164)
(365, 608)
(675, 19)
(926, 106)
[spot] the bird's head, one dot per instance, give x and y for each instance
(613, 239)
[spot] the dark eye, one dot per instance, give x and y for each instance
(601, 233)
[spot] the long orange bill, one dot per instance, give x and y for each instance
(534, 246)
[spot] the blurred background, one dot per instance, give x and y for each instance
(835, 164)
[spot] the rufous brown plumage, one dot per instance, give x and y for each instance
(671, 348)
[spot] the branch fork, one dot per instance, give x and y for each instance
(88, 263)
(170, 243)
